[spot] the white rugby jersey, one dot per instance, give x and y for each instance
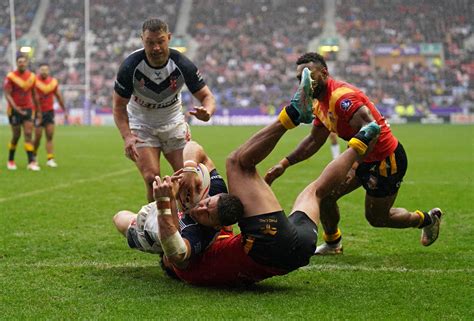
(155, 93)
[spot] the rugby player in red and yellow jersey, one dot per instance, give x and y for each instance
(343, 109)
(22, 104)
(46, 88)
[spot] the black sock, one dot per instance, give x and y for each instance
(335, 241)
(31, 157)
(11, 155)
(426, 220)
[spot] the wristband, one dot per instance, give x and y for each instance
(190, 169)
(163, 199)
(164, 211)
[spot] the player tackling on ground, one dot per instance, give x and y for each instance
(343, 109)
(270, 243)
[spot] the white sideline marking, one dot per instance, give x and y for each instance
(85, 264)
(363, 268)
(319, 267)
(66, 185)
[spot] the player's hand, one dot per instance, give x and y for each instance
(189, 185)
(273, 173)
(200, 113)
(21, 111)
(131, 148)
(163, 188)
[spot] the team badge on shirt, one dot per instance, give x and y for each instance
(345, 104)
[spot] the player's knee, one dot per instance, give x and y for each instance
(149, 177)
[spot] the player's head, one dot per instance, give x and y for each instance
(43, 70)
(218, 210)
(156, 38)
(22, 62)
(319, 71)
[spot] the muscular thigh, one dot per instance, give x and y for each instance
(148, 161)
(253, 191)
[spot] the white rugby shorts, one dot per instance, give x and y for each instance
(168, 137)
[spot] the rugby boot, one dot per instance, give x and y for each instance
(302, 100)
(33, 166)
(11, 166)
(430, 233)
(51, 163)
(329, 249)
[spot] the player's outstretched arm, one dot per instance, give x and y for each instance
(176, 249)
(307, 148)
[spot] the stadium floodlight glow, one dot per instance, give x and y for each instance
(25, 49)
(335, 48)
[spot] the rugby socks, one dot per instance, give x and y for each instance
(50, 156)
(425, 219)
(29, 148)
(11, 152)
(288, 117)
(333, 238)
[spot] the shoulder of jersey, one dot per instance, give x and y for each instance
(135, 57)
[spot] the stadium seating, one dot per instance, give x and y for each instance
(247, 49)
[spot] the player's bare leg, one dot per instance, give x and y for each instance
(242, 174)
(49, 131)
(380, 213)
(148, 163)
(28, 127)
(16, 134)
(175, 158)
(122, 221)
(333, 175)
(37, 139)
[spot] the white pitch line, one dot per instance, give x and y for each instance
(86, 264)
(363, 268)
(319, 267)
(65, 185)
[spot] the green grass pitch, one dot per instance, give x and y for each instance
(61, 258)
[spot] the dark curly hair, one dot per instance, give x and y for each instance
(312, 57)
(229, 209)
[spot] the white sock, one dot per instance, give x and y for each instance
(335, 150)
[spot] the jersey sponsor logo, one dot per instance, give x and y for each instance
(345, 104)
(145, 104)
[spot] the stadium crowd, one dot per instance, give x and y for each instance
(247, 49)
(25, 12)
(366, 22)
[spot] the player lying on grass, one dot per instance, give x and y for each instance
(270, 243)
(141, 229)
(343, 109)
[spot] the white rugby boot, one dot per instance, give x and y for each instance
(329, 249)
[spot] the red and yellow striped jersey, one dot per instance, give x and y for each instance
(336, 108)
(45, 89)
(21, 87)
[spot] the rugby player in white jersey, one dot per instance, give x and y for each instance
(147, 103)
